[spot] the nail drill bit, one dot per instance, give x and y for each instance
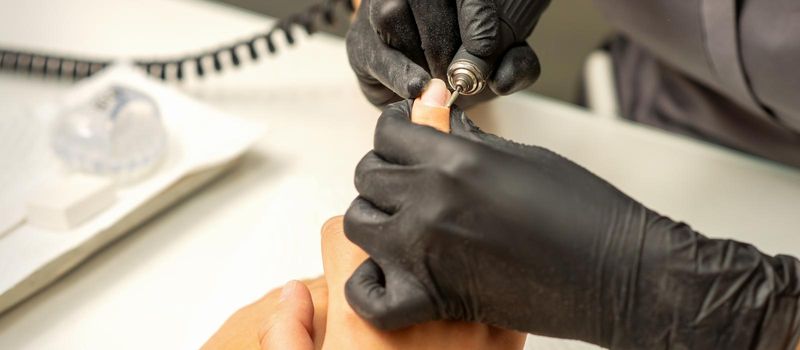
(453, 97)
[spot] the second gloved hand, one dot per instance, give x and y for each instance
(468, 226)
(396, 46)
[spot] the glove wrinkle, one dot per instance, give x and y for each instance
(394, 23)
(723, 293)
(519, 237)
(478, 23)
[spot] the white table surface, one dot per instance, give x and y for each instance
(171, 283)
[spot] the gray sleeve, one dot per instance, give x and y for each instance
(720, 70)
(696, 37)
(769, 35)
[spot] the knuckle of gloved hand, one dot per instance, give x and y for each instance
(372, 310)
(364, 171)
(431, 216)
(361, 46)
(379, 321)
(403, 308)
(392, 124)
(482, 39)
(356, 215)
(355, 55)
(456, 159)
(392, 113)
(383, 17)
(360, 181)
(359, 225)
(351, 224)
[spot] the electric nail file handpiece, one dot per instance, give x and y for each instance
(467, 73)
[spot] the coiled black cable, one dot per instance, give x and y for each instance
(75, 68)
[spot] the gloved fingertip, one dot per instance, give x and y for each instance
(365, 292)
(518, 69)
(417, 84)
(505, 87)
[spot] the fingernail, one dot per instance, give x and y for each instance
(287, 290)
(435, 93)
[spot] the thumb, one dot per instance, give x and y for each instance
(290, 328)
(518, 69)
(401, 302)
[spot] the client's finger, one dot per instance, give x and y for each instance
(291, 327)
(429, 109)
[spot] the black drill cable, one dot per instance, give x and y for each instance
(49, 65)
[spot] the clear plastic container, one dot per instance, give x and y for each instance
(117, 132)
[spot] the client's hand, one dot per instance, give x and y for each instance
(292, 325)
(346, 330)
(283, 322)
(251, 327)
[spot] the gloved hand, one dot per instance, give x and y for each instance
(469, 226)
(396, 46)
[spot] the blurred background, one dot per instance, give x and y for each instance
(567, 33)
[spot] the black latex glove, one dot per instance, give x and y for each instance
(469, 226)
(396, 46)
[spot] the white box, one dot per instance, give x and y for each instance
(65, 204)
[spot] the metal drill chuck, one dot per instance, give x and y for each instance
(466, 77)
(467, 73)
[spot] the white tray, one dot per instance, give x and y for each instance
(203, 143)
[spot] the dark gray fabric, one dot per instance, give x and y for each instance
(722, 48)
(652, 93)
(683, 66)
(770, 45)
